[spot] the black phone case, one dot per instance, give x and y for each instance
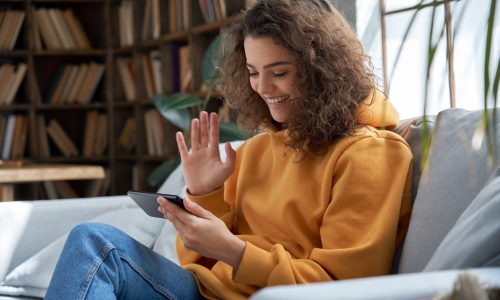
(147, 202)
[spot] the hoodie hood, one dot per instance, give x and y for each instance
(376, 110)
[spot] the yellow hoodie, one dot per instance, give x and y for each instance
(336, 216)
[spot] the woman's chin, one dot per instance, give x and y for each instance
(279, 118)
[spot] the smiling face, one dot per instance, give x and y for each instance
(272, 72)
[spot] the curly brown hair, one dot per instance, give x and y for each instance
(336, 74)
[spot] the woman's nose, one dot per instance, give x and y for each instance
(265, 86)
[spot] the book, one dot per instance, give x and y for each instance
(185, 75)
(102, 135)
(89, 83)
(15, 82)
(36, 30)
(19, 140)
(15, 28)
(54, 82)
(127, 77)
(47, 29)
(61, 29)
(61, 84)
(3, 124)
(148, 124)
(43, 142)
(155, 19)
(156, 70)
(126, 21)
(64, 189)
(61, 139)
(69, 83)
(8, 136)
(76, 29)
(146, 23)
(91, 129)
(6, 74)
(77, 83)
(148, 75)
(50, 190)
(128, 139)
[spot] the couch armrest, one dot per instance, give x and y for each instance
(403, 286)
(28, 226)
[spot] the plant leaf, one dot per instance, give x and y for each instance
(231, 132)
(208, 71)
(179, 117)
(175, 101)
(403, 41)
(174, 108)
(161, 172)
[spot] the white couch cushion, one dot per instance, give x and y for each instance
(32, 277)
(474, 240)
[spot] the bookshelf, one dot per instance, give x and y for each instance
(81, 74)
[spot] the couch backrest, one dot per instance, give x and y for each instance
(457, 170)
(412, 130)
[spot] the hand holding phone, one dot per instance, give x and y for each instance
(147, 202)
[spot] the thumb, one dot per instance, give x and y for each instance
(230, 155)
(196, 210)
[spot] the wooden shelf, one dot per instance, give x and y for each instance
(78, 53)
(150, 51)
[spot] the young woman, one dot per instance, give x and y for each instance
(319, 194)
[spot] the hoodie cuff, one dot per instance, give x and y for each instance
(255, 266)
(213, 201)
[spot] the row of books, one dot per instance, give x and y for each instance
(151, 68)
(59, 29)
(75, 83)
(14, 131)
(155, 133)
(11, 77)
(177, 18)
(95, 137)
(151, 23)
(13, 135)
(178, 15)
(213, 10)
(10, 26)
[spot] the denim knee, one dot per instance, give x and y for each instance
(84, 231)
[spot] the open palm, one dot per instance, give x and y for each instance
(204, 171)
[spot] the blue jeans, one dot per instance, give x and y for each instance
(102, 262)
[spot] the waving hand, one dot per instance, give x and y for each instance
(203, 168)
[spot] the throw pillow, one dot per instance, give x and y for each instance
(32, 277)
(473, 240)
(458, 168)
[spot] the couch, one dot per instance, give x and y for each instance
(452, 245)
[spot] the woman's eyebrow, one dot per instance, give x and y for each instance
(274, 64)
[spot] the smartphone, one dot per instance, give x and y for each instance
(147, 202)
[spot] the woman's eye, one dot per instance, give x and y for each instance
(252, 74)
(282, 74)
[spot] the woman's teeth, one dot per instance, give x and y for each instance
(276, 100)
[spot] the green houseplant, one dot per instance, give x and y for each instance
(447, 30)
(179, 108)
